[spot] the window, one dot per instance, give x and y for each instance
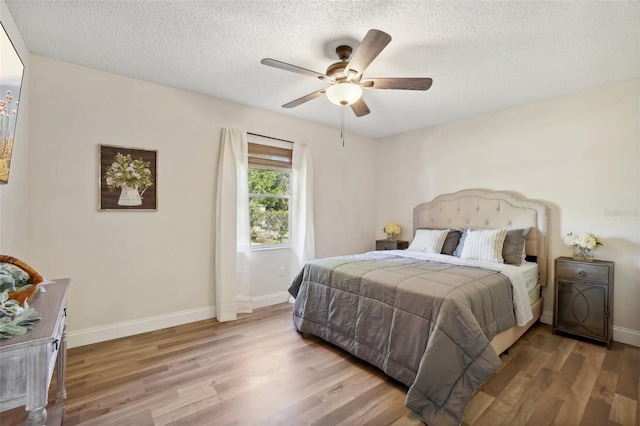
(269, 195)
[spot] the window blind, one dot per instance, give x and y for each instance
(269, 156)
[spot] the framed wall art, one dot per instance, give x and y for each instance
(11, 72)
(128, 179)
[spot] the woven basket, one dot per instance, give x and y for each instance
(36, 279)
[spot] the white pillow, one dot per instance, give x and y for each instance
(429, 240)
(484, 245)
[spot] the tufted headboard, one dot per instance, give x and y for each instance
(484, 209)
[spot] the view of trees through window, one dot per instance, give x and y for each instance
(269, 206)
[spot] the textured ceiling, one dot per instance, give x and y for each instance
(482, 56)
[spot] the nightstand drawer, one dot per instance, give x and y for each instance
(391, 245)
(583, 271)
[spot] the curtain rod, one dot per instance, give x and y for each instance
(269, 137)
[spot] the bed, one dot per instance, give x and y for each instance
(435, 322)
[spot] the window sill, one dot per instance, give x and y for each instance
(271, 247)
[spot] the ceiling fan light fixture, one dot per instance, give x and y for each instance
(344, 93)
(346, 76)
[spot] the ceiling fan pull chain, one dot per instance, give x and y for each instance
(342, 125)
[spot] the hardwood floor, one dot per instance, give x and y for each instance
(260, 371)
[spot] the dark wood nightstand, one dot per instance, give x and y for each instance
(584, 298)
(392, 245)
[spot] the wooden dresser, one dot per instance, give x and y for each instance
(584, 298)
(27, 361)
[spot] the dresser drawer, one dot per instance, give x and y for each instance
(582, 271)
(54, 347)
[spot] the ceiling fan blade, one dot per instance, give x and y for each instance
(397, 83)
(369, 49)
(293, 68)
(304, 99)
(360, 108)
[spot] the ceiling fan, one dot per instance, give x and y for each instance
(345, 76)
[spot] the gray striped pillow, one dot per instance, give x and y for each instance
(429, 240)
(484, 245)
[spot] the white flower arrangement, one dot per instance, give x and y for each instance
(584, 243)
(392, 230)
(132, 173)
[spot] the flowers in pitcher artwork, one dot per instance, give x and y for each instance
(128, 172)
(392, 230)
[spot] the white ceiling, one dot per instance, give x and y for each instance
(482, 56)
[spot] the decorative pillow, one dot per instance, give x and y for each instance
(451, 242)
(514, 245)
(458, 251)
(429, 240)
(484, 245)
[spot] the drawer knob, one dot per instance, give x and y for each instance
(582, 273)
(54, 347)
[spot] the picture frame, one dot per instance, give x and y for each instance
(128, 179)
(11, 76)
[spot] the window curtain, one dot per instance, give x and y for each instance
(232, 234)
(302, 235)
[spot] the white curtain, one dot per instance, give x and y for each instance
(302, 235)
(232, 236)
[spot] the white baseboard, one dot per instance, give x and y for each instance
(620, 334)
(129, 328)
(626, 335)
(270, 299)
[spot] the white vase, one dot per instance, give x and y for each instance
(129, 196)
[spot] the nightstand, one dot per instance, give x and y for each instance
(584, 298)
(392, 245)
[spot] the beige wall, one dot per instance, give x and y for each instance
(157, 266)
(579, 154)
(14, 196)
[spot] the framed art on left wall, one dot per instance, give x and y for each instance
(11, 72)
(128, 179)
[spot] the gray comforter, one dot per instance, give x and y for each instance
(426, 324)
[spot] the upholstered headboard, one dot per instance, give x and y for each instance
(484, 209)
